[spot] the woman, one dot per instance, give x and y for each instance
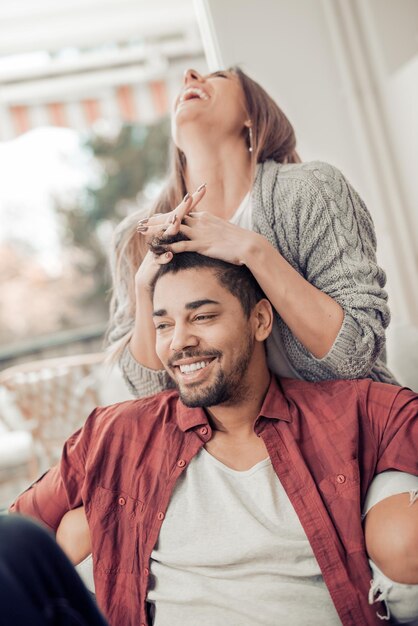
(262, 207)
(301, 229)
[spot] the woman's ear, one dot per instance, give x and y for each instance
(263, 319)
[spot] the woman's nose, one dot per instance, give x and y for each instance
(190, 75)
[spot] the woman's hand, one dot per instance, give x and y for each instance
(158, 225)
(169, 223)
(148, 269)
(212, 236)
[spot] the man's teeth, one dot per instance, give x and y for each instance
(193, 91)
(192, 367)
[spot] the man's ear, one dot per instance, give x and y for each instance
(263, 319)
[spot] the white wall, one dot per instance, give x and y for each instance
(317, 58)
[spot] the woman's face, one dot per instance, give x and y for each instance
(208, 103)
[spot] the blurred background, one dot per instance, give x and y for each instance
(85, 93)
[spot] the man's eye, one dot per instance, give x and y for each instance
(162, 326)
(203, 317)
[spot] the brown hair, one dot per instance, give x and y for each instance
(273, 135)
(273, 138)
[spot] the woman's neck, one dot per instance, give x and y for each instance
(227, 173)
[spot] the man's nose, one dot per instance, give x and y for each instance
(191, 75)
(182, 339)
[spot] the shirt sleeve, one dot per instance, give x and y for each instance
(60, 488)
(393, 419)
(330, 240)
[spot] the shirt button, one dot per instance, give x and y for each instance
(181, 463)
(122, 501)
(203, 431)
(160, 515)
(341, 479)
(146, 571)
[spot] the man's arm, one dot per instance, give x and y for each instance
(45, 499)
(393, 415)
(60, 489)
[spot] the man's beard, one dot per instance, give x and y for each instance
(228, 388)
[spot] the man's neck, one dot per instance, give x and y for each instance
(234, 442)
(236, 419)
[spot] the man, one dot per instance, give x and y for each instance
(240, 501)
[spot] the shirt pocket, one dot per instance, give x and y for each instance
(344, 483)
(114, 519)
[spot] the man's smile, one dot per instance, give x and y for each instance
(192, 369)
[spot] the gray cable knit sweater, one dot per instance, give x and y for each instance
(313, 216)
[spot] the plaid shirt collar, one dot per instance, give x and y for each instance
(275, 406)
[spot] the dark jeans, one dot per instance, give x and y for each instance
(38, 584)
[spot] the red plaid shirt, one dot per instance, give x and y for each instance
(326, 442)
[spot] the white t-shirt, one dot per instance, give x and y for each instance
(231, 550)
(276, 355)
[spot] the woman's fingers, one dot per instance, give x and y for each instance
(197, 196)
(182, 246)
(184, 208)
(170, 223)
(165, 258)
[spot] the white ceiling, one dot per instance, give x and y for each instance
(30, 25)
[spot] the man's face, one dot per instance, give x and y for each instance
(203, 337)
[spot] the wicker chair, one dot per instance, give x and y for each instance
(50, 399)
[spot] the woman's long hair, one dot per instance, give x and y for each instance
(273, 138)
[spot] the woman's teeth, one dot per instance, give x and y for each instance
(193, 92)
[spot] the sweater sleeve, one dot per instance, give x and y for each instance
(141, 380)
(322, 227)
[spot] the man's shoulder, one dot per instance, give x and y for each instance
(294, 386)
(141, 412)
(361, 390)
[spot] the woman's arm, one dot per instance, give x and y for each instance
(142, 343)
(73, 535)
(312, 315)
(324, 230)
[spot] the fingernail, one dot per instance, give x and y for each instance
(174, 219)
(201, 187)
(186, 197)
(168, 255)
(141, 229)
(144, 221)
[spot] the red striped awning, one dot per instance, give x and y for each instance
(143, 103)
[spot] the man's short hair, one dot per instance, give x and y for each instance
(237, 279)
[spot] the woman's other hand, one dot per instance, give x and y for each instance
(215, 237)
(169, 223)
(162, 224)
